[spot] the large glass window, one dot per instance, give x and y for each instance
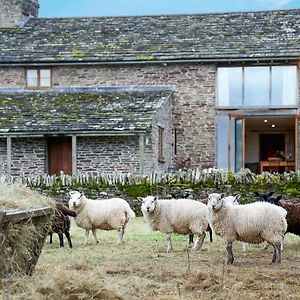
(257, 86)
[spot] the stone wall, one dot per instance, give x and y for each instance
(28, 156)
(108, 154)
(3, 156)
(193, 102)
(12, 12)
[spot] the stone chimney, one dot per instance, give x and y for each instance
(14, 13)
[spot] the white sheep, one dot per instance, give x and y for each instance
(250, 223)
(108, 214)
(182, 216)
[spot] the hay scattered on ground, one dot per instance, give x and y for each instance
(18, 196)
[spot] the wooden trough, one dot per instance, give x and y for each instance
(22, 236)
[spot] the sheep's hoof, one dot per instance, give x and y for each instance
(229, 261)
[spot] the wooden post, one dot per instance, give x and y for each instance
(74, 155)
(142, 154)
(8, 154)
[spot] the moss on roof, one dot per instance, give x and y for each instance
(72, 110)
(266, 34)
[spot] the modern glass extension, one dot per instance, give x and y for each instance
(257, 120)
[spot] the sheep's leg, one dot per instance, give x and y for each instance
(121, 232)
(276, 253)
(245, 247)
(281, 245)
(191, 239)
(199, 241)
(169, 240)
(50, 237)
(94, 231)
(61, 239)
(210, 233)
(67, 234)
(230, 257)
(87, 232)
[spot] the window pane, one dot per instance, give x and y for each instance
(229, 87)
(45, 73)
(284, 85)
(32, 81)
(32, 78)
(257, 83)
(222, 142)
(45, 82)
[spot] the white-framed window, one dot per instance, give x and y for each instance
(38, 78)
(257, 86)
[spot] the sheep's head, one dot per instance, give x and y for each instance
(215, 201)
(269, 197)
(75, 199)
(232, 200)
(148, 203)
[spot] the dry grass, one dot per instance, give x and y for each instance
(140, 269)
(17, 196)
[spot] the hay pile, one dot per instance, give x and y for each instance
(18, 196)
(21, 241)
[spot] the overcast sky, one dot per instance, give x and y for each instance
(69, 8)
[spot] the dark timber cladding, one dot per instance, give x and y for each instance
(219, 37)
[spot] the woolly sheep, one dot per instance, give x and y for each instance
(61, 224)
(292, 208)
(250, 223)
(108, 214)
(182, 216)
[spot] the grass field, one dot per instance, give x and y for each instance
(141, 269)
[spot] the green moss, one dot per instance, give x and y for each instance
(145, 57)
(78, 53)
(4, 101)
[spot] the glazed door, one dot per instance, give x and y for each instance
(236, 142)
(60, 155)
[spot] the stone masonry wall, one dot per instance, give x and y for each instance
(164, 120)
(28, 156)
(3, 156)
(108, 154)
(193, 101)
(14, 11)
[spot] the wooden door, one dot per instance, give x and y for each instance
(60, 155)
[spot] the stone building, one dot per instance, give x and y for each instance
(206, 90)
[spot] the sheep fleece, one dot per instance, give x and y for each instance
(251, 223)
(106, 214)
(182, 216)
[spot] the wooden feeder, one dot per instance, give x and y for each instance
(22, 236)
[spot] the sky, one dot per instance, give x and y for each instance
(77, 8)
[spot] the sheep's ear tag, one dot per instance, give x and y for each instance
(237, 197)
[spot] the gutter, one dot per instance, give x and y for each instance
(148, 62)
(77, 133)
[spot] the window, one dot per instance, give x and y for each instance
(38, 78)
(160, 144)
(257, 86)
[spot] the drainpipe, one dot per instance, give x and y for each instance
(74, 155)
(142, 154)
(8, 157)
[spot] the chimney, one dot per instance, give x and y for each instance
(14, 13)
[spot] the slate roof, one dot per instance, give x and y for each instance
(226, 36)
(80, 110)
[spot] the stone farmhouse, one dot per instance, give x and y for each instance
(135, 94)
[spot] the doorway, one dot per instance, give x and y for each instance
(59, 155)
